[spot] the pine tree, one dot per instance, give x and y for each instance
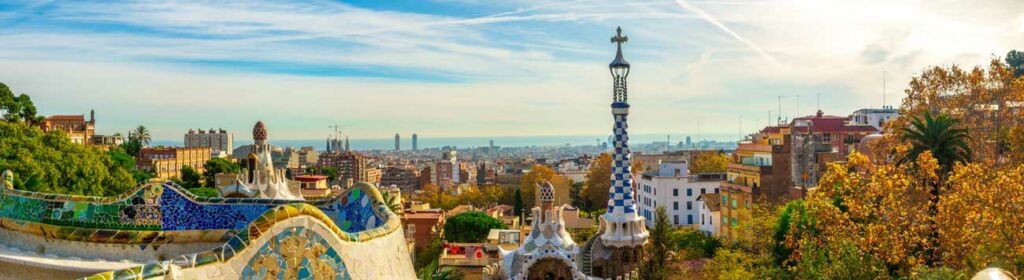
(518, 207)
(654, 264)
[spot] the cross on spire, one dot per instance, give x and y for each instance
(619, 39)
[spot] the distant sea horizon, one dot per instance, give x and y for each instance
(473, 141)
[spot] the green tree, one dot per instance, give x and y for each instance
(939, 135)
(59, 165)
(393, 202)
(132, 146)
(517, 208)
(470, 226)
(695, 244)
(576, 195)
(215, 166)
(330, 172)
(190, 177)
(428, 254)
(1015, 59)
(141, 133)
(654, 265)
(435, 272)
(16, 108)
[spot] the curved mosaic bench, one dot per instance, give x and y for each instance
(297, 252)
(156, 214)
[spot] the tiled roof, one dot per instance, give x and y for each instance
(66, 118)
(712, 200)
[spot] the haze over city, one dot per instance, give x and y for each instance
(480, 68)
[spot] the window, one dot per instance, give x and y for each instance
(675, 205)
(827, 137)
(675, 192)
(725, 198)
(689, 192)
(716, 190)
(733, 221)
(689, 205)
(725, 221)
(703, 190)
(676, 218)
(733, 203)
(689, 219)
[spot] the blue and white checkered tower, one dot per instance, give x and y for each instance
(622, 226)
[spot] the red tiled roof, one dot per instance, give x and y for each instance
(826, 123)
(66, 118)
(309, 178)
(422, 216)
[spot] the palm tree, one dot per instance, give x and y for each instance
(141, 133)
(435, 272)
(937, 134)
(392, 201)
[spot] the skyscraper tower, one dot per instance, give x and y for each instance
(398, 145)
(414, 147)
(622, 233)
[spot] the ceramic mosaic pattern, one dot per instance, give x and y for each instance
(167, 209)
(296, 253)
(353, 212)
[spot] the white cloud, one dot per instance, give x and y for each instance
(536, 69)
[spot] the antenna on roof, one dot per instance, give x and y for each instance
(819, 101)
(780, 110)
(883, 89)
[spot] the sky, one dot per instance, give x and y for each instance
(453, 68)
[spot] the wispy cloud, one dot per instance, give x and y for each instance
(474, 67)
(711, 19)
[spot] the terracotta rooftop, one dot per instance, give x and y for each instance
(422, 216)
(66, 118)
(310, 178)
(712, 200)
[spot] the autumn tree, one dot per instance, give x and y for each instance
(880, 212)
(980, 217)
(709, 162)
(985, 100)
(529, 182)
(599, 177)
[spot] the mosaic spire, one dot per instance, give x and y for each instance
(623, 227)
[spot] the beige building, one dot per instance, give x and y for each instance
(77, 128)
(217, 140)
(166, 163)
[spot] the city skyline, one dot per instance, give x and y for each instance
(463, 68)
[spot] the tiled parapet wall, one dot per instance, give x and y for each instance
(165, 213)
(259, 249)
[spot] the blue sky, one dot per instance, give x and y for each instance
(480, 68)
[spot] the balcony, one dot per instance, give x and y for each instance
(738, 167)
(765, 148)
(726, 186)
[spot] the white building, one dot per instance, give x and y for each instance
(874, 117)
(217, 140)
(672, 187)
(710, 213)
